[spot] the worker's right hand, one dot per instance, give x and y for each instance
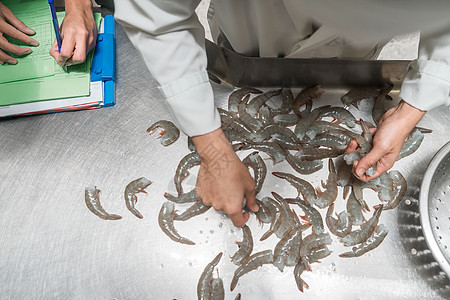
(13, 27)
(223, 180)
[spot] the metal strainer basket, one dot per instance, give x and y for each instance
(435, 207)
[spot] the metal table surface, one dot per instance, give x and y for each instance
(53, 247)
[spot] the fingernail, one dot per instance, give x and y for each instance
(34, 43)
(11, 61)
(28, 51)
(360, 172)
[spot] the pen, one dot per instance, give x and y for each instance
(55, 24)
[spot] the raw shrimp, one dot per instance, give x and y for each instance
(165, 221)
(187, 162)
(303, 125)
(245, 247)
(276, 211)
(134, 187)
(288, 216)
(310, 154)
(354, 209)
(169, 133)
(92, 199)
(327, 197)
(303, 187)
(320, 127)
(286, 119)
(204, 287)
(338, 113)
(411, 144)
(252, 263)
(298, 271)
(218, 291)
(255, 162)
(303, 167)
(305, 97)
(289, 243)
(276, 153)
(195, 209)
(185, 198)
(367, 228)
(312, 215)
(263, 214)
(309, 243)
(236, 97)
(269, 131)
(339, 227)
(372, 242)
(356, 95)
(247, 119)
(287, 101)
(255, 104)
(400, 187)
(265, 116)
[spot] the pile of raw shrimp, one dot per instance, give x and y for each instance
(287, 129)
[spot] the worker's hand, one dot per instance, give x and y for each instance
(12, 26)
(389, 137)
(223, 180)
(78, 33)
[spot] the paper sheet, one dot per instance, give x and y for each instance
(74, 83)
(36, 15)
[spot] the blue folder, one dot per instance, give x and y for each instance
(104, 63)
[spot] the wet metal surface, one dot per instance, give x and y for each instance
(53, 247)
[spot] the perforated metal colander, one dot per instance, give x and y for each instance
(435, 207)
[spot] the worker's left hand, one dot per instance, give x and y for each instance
(388, 140)
(78, 33)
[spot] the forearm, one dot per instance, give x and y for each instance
(76, 6)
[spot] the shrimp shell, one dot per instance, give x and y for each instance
(92, 199)
(134, 187)
(236, 97)
(276, 153)
(252, 263)
(247, 119)
(255, 104)
(204, 287)
(195, 209)
(268, 131)
(327, 197)
(313, 215)
(303, 187)
(303, 167)
(411, 144)
(289, 243)
(310, 154)
(354, 209)
(265, 116)
(169, 133)
(305, 97)
(277, 216)
(165, 221)
(185, 198)
(287, 101)
(288, 216)
(245, 247)
(340, 227)
(298, 271)
(309, 243)
(372, 242)
(286, 119)
(303, 125)
(338, 113)
(263, 214)
(187, 162)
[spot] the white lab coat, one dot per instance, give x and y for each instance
(171, 40)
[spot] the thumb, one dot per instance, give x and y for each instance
(251, 201)
(368, 161)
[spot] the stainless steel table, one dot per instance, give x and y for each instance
(53, 247)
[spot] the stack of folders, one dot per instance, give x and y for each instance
(38, 85)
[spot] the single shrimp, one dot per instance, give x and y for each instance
(310, 154)
(288, 216)
(400, 187)
(252, 263)
(356, 95)
(327, 197)
(185, 198)
(277, 216)
(304, 123)
(276, 153)
(298, 271)
(255, 104)
(284, 142)
(354, 209)
(339, 227)
(265, 116)
(251, 122)
(305, 97)
(367, 228)
(286, 119)
(92, 199)
(165, 220)
(169, 133)
(411, 144)
(236, 97)
(321, 126)
(263, 214)
(134, 187)
(255, 162)
(288, 243)
(268, 131)
(372, 242)
(338, 113)
(245, 247)
(287, 101)
(195, 209)
(303, 167)
(303, 187)
(309, 243)
(313, 216)
(190, 160)
(330, 141)
(204, 287)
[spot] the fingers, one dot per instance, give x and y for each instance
(79, 54)
(238, 218)
(371, 159)
(13, 32)
(251, 200)
(5, 58)
(352, 146)
(67, 49)
(54, 52)
(6, 46)
(13, 20)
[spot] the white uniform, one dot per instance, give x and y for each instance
(171, 41)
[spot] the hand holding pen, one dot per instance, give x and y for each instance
(78, 33)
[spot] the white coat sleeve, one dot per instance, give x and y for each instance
(427, 81)
(170, 38)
